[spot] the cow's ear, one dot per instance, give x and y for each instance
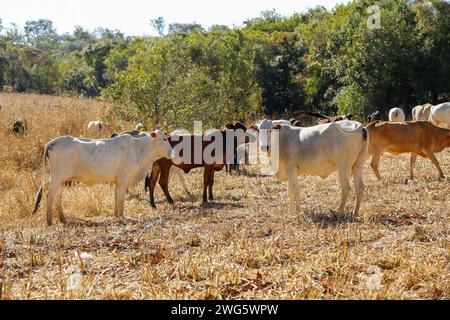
(230, 126)
(153, 135)
(254, 128)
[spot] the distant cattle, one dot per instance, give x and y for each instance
(140, 127)
(336, 118)
(95, 128)
(134, 133)
(422, 113)
(416, 137)
(321, 150)
(275, 122)
(397, 115)
(162, 167)
(373, 116)
(440, 115)
(296, 123)
(19, 127)
(122, 161)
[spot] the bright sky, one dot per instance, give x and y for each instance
(133, 16)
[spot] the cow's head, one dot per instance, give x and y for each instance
(160, 144)
(265, 130)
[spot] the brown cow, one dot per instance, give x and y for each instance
(161, 168)
(416, 137)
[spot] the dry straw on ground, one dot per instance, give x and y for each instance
(244, 245)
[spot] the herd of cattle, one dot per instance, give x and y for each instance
(336, 144)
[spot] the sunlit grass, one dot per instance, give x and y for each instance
(244, 245)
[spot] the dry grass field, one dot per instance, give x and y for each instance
(244, 245)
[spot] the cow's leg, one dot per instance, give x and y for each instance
(293, 189)
(156, 171)
(344, 181)
(291, 197)
(58, 199)
(210, 186)
(116, 203)
(121, 193)
(164, 184)
(412, 165)
(206, 180)
(375, 164)
(50, 198)
(433, 159)
(359, 188)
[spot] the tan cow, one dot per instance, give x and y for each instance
(416, 137)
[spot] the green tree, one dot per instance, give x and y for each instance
(159, 25)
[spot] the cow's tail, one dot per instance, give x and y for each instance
(148, 181)
(363, 153)
(40, 193)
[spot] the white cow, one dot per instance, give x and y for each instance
(397, 115)
(173, 170)
(95, 128)
(440, 115)
(122, 161)
(421, 113)
(320, 151)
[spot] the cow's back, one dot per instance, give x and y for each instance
(90, 161)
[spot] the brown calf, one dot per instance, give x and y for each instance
(416, 137)
(161, 168)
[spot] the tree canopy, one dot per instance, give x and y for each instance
(332, 61)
